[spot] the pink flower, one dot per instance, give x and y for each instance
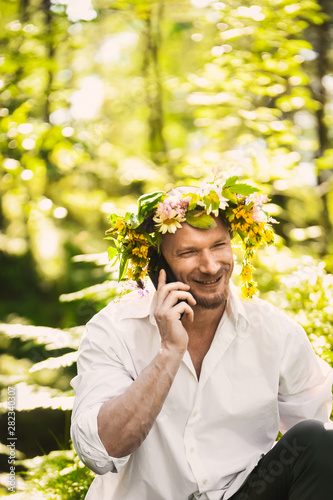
(174, 206)
(257, 199)
(258, 215)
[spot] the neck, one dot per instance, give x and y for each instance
(205, 320)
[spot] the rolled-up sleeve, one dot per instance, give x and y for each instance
(305, 390)
(102, 375)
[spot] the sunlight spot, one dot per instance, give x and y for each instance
(113, 46)
(28, 144)
(308, 54)
(281, 185)
(197, 37)
(25, 128)
(295, 80)
(298, 102)
(327, 82)
(108, 207)
(67, 131)
(11, 164)
(306, 171)
(59, 116)
(45, 204)
(60, 212)
(14, 26)
(87, 101)
(217, 51)
(218, 5)
(290, 9)
(27, 175)
(79, 9)
(298, 234)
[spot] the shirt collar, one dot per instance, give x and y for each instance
(145, 306)
(235, 308)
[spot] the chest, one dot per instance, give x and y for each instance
(198, 348)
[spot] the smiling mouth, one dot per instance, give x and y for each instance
(208, 282)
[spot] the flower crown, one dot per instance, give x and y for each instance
(240, 205)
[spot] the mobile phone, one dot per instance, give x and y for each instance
(156, 263)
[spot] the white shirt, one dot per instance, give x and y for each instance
(259, 375)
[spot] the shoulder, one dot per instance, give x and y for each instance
(119, 325)
(273, 321)
(128, 307)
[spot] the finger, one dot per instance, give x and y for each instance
(174, 285)
(184, 308)
(161, 279)
(176, 295)
(165, 289)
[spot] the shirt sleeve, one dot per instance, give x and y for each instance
(305, 388)
(102, 374)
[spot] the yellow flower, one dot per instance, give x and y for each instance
(249, 290)
(269, 236)
(247, 271)
(136, 251)
(119, 225)
(141, 251)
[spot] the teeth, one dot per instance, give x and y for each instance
(209, 282)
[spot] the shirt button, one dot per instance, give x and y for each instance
(192, 450)
(205, 481)
(195, 413)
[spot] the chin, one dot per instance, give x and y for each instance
(211, 302)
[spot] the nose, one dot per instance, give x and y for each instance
(208, 264)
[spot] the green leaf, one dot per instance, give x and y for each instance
(112, 252)
(135, 220)
(148, 201)
(231, 181)
(202, 221)
(193, 202)
(123, 265)
(229, 195)
(243, 189)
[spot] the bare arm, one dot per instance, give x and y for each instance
(125, 421)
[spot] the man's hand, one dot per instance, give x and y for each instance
(169, 311)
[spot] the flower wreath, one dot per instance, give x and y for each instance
(135, 235)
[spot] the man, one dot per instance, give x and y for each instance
(181, 394)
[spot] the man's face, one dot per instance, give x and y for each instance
(203, 259)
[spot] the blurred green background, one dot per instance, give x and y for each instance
(103, 101)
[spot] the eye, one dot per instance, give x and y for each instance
(221, 244)
(187, 253)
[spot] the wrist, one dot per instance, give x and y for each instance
(172, 351)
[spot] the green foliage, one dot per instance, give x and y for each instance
(306, 293)
(202, 221)
(60, 475)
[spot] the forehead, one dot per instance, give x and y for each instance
(188, 236)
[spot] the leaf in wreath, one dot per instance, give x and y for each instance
(147, 201)
(231, 181)
(200, 220)
(229, 195)
(243, 189)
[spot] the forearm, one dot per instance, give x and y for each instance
(125, 421)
